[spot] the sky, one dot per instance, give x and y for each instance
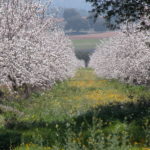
(79, 4)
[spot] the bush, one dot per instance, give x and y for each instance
(9, 139)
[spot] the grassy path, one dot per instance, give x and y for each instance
(72, 98)
(79, 112)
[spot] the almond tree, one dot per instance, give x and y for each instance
(33, 51)
(124, 57)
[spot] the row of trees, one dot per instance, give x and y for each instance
(76, 22)
(124, 57)
(33, 51)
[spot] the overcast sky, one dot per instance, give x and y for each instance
(80, 4)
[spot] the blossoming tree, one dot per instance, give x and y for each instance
(33, 51)
(124, 57)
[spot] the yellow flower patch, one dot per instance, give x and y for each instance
(101, 97)
(87, 84)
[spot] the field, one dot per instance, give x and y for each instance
(89, 41)
(82, 113)
(85, 44)
(94, 36)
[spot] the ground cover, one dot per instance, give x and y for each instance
(83, 113)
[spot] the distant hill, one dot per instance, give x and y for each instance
(78, 4)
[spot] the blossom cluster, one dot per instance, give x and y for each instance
(125, 57)
(33, 50)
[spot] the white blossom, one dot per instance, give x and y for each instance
(32, 49)
(125, 57)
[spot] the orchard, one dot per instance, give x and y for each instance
(49, 100)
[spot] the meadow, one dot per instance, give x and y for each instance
(82, 113)
(90, 41)
(85, 44)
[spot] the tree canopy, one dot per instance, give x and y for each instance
(69, 13)
(123, 11)
(74, 20)
(77, 24)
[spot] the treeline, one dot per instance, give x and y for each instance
(75, 21)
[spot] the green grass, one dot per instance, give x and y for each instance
(85, 44)
(83, 113)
